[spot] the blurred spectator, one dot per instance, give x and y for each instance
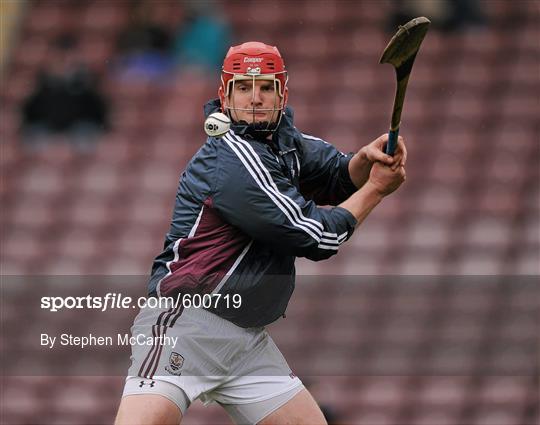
(65, 101)
(144, 47)
(204, 37)
(447, 15)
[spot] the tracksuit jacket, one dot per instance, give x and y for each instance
(245, 209)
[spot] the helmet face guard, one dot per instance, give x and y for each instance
(248, 63)
(276, 109)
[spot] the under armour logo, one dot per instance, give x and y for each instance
(143, 383)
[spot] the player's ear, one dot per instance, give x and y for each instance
(222, 98)
(285, 96)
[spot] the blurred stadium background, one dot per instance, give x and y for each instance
(470, 206)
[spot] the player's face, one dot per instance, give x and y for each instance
(254, 101)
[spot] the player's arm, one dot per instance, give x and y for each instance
(253, 194)
(329, 176)
(382, 181)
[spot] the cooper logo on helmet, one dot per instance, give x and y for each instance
(256, 60)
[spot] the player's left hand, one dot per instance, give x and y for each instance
(374, 152)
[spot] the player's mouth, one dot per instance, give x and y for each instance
(258, 114)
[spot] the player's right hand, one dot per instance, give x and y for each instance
(374, 152)
(386, 179)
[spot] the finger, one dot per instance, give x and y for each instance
(376, 155)
(397, 169)
(403, 150)
(398, 161)
(403, 173)
(381, 140)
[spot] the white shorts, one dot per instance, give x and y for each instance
(198, 355)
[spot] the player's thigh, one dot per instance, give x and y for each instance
(147, 409)
(302, 409)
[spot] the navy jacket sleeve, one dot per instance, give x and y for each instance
(252, 193)
(324, 172)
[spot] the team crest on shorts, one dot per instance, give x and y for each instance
(176, 361)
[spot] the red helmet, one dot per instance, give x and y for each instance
(253, 59)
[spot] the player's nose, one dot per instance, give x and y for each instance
(257, 98)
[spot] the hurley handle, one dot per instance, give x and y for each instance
(392, 142)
